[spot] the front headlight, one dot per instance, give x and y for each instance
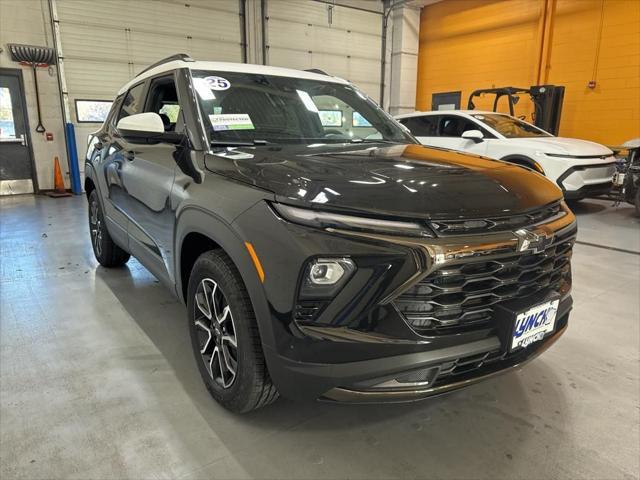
(319, 219)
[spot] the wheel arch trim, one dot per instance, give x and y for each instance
(194, 219)
(520, 159)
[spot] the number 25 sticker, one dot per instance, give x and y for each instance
(218, 83)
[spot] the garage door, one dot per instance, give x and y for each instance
(104, 44)
(342, 41)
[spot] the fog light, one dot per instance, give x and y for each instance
(326, 272)
(323, 277)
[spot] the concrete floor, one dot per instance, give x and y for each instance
(98, 380)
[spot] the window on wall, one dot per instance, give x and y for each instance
(7, 127)
(92, 111)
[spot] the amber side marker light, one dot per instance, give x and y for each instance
(256, 260)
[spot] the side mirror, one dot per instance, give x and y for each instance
(473, 135)
(146, 128)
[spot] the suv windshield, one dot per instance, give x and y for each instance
(242, 107)
(510, 127)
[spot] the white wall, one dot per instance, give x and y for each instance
(27, 21)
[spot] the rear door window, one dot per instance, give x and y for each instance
(424, 126)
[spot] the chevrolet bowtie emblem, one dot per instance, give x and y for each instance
(536, 242)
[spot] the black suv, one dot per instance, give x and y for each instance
(321, 252)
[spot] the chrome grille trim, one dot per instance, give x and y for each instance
(497, 224)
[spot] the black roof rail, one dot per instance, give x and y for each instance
(178, 56)
(317, 70)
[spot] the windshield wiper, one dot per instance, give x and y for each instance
(374, 140)
(237, 143)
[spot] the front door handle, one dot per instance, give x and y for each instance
(130, 155)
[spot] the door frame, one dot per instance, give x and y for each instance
(17, 72)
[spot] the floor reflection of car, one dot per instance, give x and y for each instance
(579, 167)
(321, 251)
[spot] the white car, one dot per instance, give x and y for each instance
(579, 167)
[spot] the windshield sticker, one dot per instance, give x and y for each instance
(231, 121)
(218, 83)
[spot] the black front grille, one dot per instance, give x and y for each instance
(495, 224)
(462, 296)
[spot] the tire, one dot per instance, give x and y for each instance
(221, 315)
(637, 202)
(105, 250)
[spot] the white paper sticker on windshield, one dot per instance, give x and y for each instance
(218, 83)
(231, 121)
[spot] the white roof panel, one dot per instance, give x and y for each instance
(232, 67)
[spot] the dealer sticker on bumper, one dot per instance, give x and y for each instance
(534, 324)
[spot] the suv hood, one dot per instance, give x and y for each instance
(567, 146)
(398, 180)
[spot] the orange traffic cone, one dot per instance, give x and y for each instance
(58, 181)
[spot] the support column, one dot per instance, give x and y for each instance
(402, 60)
(254, 30)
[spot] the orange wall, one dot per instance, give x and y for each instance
(469, 44)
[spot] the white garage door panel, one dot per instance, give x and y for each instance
(82, 44)
(307, 11)
(299, 35)
(153, 16)
(97, 80)
(316, 38)
(103, 51)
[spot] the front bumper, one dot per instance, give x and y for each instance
(584, 181)
(435, 371)
(415, 393)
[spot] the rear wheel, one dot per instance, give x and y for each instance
(224, 335)
(105, 250)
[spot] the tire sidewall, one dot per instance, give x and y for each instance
(210, 265)
(93, 198)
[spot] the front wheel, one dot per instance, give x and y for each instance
(638, 201)
(105, 250)
(224, 335)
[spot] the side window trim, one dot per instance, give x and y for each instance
(115, 112)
